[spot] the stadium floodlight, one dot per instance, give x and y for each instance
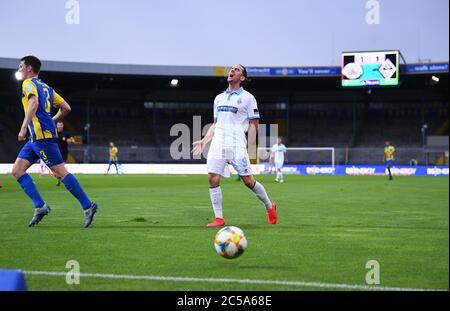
(174, 82)
(435, 79)
(18, 75)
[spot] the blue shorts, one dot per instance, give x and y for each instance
(112, 162)
(45, 149)
(389, 163)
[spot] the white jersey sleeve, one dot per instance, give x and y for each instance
(215, 108)
(252, 108)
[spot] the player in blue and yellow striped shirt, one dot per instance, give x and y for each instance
(389, 152)
(40, 102)
(113, 157)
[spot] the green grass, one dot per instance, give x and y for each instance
(329, 227)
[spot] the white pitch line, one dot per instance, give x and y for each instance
(241, 281)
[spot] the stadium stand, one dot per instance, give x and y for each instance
(137, 113)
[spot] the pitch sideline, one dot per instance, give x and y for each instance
(225, 280)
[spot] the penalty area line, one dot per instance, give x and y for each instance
(223, 280)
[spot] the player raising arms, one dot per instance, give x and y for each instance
(235, 113)
(39, 101)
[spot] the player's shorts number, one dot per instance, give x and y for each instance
(44, 156)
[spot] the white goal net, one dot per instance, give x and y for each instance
(302, 155)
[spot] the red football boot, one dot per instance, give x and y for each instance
(272, 214)
(217, 223)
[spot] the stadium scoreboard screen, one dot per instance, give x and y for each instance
(366, 69)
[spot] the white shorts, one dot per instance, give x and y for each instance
(279, 164)
(219, 158)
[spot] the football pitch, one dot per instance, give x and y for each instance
(150, 234)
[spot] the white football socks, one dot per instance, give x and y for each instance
(279, 175)
(216, 200)
(261, 193)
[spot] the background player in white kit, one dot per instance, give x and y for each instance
(235, 113)
(43, 169)
(279, 155)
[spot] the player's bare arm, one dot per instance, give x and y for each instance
(199, 145)
(252, 132)
(64, 110)
(30, 113)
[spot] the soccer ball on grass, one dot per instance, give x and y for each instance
(230, 242)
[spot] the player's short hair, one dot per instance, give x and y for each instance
(32, 61)
(244, 73)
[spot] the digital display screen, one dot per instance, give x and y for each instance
(366, 69)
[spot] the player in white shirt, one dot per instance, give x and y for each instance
(279, 156)
(235, 114)
(43, 169)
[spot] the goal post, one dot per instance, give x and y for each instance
(302, 155)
